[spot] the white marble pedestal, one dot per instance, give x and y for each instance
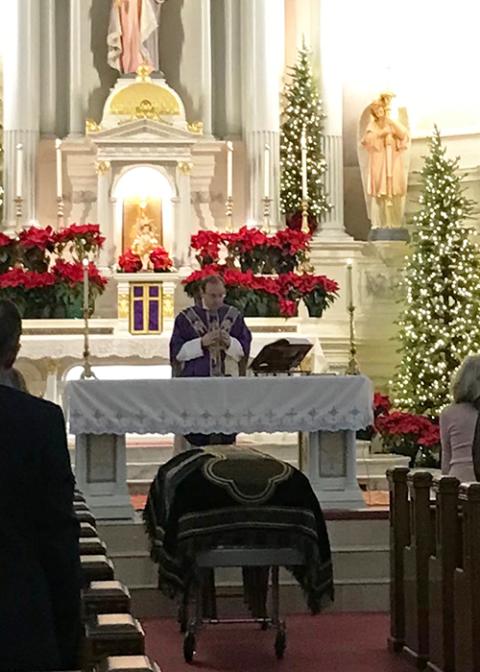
(101, 474)
(329, 460)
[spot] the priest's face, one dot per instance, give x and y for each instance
(213, 295)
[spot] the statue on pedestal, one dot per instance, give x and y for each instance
(133, 34)
(383, 157)
(145, 242)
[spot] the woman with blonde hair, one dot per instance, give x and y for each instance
(459, 422)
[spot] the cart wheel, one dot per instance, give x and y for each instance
(280, 644)
(189, 647)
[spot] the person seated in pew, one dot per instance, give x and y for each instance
(39, 554)
(459, 422)
(209, 339)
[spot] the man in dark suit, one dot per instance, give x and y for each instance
(39, 553)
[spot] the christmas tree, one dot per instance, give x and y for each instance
(302, 107)
(440, 323)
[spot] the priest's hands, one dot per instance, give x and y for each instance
(211, 338)
(216, 338)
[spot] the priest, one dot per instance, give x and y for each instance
(209, 339)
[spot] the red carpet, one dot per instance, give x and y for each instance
(325, 643)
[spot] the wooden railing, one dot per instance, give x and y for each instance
(435, 571)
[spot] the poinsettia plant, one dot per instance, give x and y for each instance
(416, 436)
(161, 261)
(259, 295)
(43, 274)
(129, 262)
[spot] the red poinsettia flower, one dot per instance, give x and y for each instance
(290, 242)
(5, 241)
(288, 308)
(43, 239)
(130, 262)
(381, 404)
(91, 232)
(19, 277)
(72, 273)
(160, 259)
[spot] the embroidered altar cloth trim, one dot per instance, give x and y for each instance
(210, 405)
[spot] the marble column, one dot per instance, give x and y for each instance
(206, 66)
(326, 38)
(232, 83)
(104, 215)
(262, 46)
(77, 110)
(183, 215)
(48, 64)
(21, 102)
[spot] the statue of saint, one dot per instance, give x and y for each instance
(383, 157)
(145, 242)
(133, 34)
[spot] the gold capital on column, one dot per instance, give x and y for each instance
(185, 167)
(102, 167)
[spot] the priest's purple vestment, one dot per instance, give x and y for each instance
(189, 359)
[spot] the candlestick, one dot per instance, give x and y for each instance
(305, 227)
(303, 147)
(85, 286)
(58, 158)
(266, 172)
(229, 214)
(229, 169)
(19, 175)
(349, 285)
(18, 212)
(353, 368)
(266, 214)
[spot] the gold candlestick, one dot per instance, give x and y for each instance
(353, 368)
(60, 213)
(305, 227)
(87, 367)
(18, 200)
(229, 214)
(266, 213)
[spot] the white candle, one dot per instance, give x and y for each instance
(58, 155)
(85, 285)
(266, 172)
(19, 176)
(303, 147)
(229, 169)
(349, 289)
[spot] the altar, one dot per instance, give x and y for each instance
(327, 410)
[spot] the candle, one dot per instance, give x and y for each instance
(85, 286)
(58, 154)
(349, 293)
(19, 176)
(266, 172)
(303, 146)
(229, 169)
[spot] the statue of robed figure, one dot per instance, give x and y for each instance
(383, 155)
(133, 34)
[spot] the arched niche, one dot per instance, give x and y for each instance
(143, 194)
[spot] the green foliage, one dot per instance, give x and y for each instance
(440, 323)
(302, 107)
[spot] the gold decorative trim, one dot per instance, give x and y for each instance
(91, 126)
(185, 167)
(168, 306)
(123, 304)
(144, 100)
(102, 167)
(146, 299)
(196, 127)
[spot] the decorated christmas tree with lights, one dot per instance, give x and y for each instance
(440, 324)
(302, 108)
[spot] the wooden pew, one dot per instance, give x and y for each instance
(416, 558)
(105, 597)
(112, 635)
(399, 538)
(467, 583)
(441, 576)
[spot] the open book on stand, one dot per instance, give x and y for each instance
(281, 357)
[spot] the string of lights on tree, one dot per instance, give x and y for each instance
(302, 107)
(440, 324)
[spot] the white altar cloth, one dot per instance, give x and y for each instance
(209, 405)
